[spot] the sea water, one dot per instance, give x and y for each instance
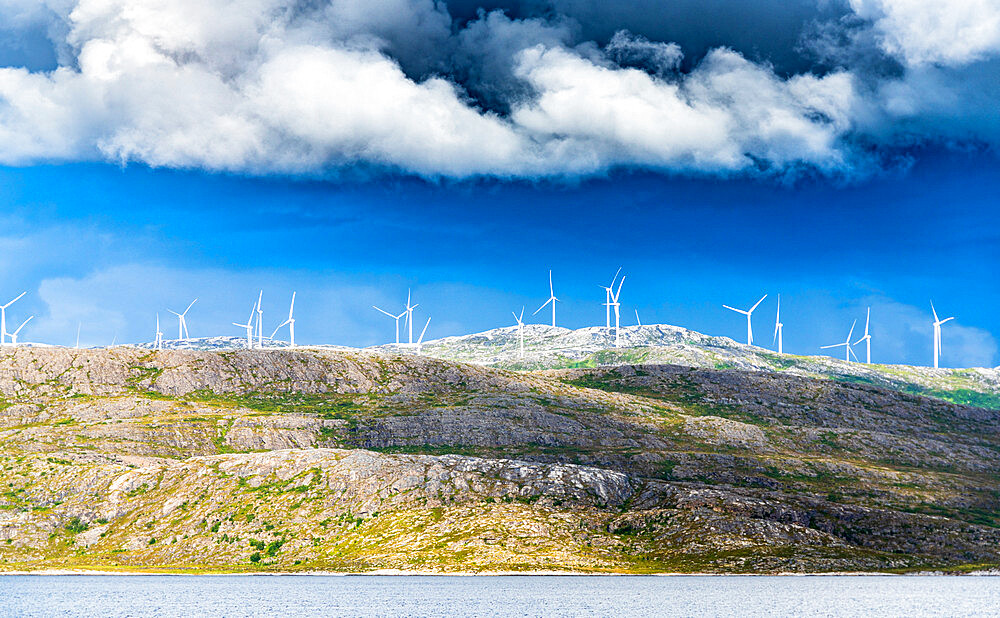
(293, 595)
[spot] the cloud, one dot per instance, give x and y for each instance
(952, 33)
(296, 87)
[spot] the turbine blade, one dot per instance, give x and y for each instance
(852, 353)
(851, 333)
(543, 305)
(946, 319)
(757, 303)
(191, 305)
(22, 325)
(619, 292)
(522, 313)
(551, 292)
(291, 307)
(734, 309)
(384, 311)
(421, 339)
(836, 345)
(934, 311)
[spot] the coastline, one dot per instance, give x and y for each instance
(406, 573)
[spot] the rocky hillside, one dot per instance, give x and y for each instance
(352, 460)
(547, 347)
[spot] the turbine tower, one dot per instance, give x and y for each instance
(249, 326)
(748, 313)
(395, 317)
(182, 329)
(3, 318)
(607, 300)
(13, 335)
(778, 326)
(520, 332)
(552, 299)
(937, 334)
(409, 316)
(158, 341)
(617, 306)
(846, 344)
(290, 322)
(260, 321)
(867, 339)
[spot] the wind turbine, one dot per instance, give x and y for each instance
(395, 317)
(249, 327)
(607, 300)
(13, 335)
(260, 321)
(421, 340)
(291, 324)
(158, 343)
(182, 329)
(937, 334)
(409, 315)
(520, 332)
(617, 306)
(846, 344)
(778, 326)
(867, 339)
(552, 299)
(748, 313)
(3, 318)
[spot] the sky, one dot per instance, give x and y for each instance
(842, 154)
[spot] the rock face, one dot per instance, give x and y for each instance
(349, 460)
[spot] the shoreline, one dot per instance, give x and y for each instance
(404, 573)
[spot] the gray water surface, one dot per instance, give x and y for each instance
(286, 596)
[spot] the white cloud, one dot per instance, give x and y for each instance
(279, 86)
(922, 31)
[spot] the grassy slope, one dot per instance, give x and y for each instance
(677, 429)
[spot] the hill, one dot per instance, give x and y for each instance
(357, 460)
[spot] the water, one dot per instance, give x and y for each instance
(288, 596)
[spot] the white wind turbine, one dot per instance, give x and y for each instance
(748, 314)
(614, 302)
(158, 341)
(421, 339)
(3, 318)
(552, 299)
(260, 321)
(778, 326)
(182, 329)
(13, 335)
(867, 339)
(249, 327)
(520, 332)
(937, 334)
(290, 322)
(607, 300)
(846, 344)
(395, 317)
(409, 316)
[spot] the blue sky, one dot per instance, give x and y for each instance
(842, 153)
(111, 246)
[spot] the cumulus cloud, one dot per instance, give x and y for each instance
(921, 32)
(299, 87)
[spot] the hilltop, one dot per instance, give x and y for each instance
(356, 460)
